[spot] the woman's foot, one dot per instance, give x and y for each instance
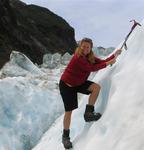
(66, 142)
(66, 139)
(90, 115)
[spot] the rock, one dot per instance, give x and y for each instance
(32, 30)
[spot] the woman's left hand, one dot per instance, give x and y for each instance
(118, 52)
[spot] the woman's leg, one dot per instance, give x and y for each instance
(95, 89)
(89, 114)
(69, 97)
(67, 120)
(66, 123)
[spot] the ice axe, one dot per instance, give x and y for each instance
(135, 23)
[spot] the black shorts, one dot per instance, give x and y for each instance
(69, 94)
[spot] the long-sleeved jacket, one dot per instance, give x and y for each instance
(79, 69)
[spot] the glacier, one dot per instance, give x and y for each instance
(29, 102)
(31, 108)
(121, 101)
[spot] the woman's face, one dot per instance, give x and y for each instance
(86, 47)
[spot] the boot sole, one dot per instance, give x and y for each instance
(92, 119)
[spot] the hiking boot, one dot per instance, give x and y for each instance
(90, 115)
(66, 139)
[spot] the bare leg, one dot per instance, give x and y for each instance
(67, 120)
(95, 89)
(90, 114)
(65, 137)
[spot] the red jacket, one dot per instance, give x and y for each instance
(79, 69)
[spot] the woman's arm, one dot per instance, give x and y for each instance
(98, 60)
(115, 55)
(84, 65)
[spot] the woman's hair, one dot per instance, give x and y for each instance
(79, 51)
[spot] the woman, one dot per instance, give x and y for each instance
(74, 80)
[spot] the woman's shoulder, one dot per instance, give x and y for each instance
(80, 59)
(76, 56)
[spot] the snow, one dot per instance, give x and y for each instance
(29, 102)
(121, 102)
(20, 65)
(27, 108)
(31, 109)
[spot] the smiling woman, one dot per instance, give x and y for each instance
(75, 80)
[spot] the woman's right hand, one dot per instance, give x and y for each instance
(117, 53)
(111, 62)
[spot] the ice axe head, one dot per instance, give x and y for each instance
(135, 23)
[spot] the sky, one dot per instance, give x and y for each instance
(106, 22)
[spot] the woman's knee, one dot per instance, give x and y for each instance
(95, 87)
(68, 113)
